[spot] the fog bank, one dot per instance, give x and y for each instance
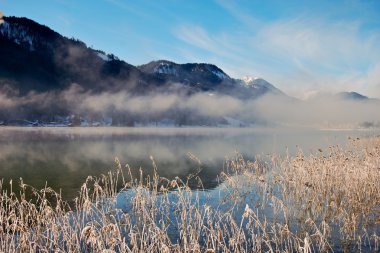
(202, 108)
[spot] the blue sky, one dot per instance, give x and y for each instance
(299, 46)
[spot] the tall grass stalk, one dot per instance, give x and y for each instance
(324, 202)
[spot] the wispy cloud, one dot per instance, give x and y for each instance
(196, 36)
(220, 44)
(331, 46)
(297, 54)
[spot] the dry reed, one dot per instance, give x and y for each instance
(323, 202)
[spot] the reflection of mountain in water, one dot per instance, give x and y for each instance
(65, 157)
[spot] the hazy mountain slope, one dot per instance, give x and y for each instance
(37, 58)
(47, 77)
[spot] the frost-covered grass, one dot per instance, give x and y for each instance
(323, 202)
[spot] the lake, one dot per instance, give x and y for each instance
(62, 158)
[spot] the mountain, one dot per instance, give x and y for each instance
(202, 76)
(351, 96)
(261, 85)
(46, 77)
(208, 77)
(38, 59)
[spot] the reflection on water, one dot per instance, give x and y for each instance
(64, 157)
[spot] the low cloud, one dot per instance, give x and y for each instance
(213, 105)
(319, 110)
(6, 102)
(323, 111)
(123, 101)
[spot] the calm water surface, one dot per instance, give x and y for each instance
(64, 157)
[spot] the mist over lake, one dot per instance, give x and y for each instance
(64, 157)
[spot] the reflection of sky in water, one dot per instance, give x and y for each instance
(233, 199)
(64, 157)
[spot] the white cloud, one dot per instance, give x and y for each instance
(221, 45)
(197, 36)
(297, 55)
(371, 82)
(330, 46)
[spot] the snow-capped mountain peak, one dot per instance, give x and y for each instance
(249, 79)
(259, 84)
